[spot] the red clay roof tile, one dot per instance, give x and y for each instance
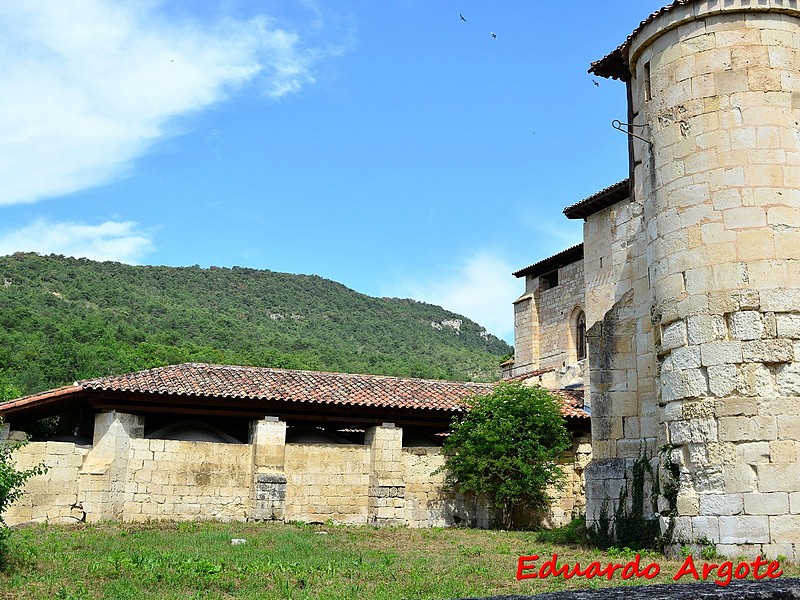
(223, 381)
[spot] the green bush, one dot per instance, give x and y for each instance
(506, 448)
(11, 482)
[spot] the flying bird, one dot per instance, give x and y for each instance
(493, 34)
(462, 17)
(595, 83)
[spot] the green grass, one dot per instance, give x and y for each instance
(197, 560)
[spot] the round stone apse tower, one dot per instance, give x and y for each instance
(714, 113)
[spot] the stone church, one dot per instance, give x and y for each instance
(680, 312)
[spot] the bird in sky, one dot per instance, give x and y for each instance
(595, 83)
(493, 34)
(462, 17)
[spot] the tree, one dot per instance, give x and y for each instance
(8, 391)
(505, 448)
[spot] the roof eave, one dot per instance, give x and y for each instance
(551, 263)
(603, 199)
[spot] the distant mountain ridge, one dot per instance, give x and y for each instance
(63, 319)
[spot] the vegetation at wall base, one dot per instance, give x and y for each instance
(506, 448)
(12, 480)
(65, 319)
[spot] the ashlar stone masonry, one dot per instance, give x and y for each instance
(693, 317)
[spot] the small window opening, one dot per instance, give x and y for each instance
(549, 280)
(648, 93)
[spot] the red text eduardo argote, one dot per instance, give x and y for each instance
(722, 573)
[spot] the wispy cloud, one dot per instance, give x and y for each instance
(88, 86)
(481, 288)
(112, 240)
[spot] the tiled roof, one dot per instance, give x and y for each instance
(258, 383)
(615, 64)
(573, 402)
(597, 202)
(565, 257)
(221, 381)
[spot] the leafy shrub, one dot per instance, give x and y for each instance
(11, 483)
(506, 448)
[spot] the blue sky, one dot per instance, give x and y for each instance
(387, 145)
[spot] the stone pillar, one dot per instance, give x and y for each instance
(387, 489)
(103, 479)
(268, 441)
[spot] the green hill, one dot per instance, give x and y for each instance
(63, 319)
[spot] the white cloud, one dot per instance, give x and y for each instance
(482, 288)
(88, 86)
(112, 240)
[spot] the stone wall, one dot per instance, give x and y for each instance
(542, 322)
(124, 476)
(621, 377)
(327, 482)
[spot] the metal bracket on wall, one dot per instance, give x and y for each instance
(618, 125)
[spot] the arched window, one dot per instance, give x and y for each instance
(580, 336)
(577, 335)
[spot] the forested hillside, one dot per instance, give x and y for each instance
(64, 319)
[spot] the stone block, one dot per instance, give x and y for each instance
(753, 452)
(705, 328)
(695, 430)
(746, 325)
(674, 335)
(768, 274)
(780, 300)
(788, 325)
(720, 504)
(747, 429)
(779, 477)
(789, 427)
(744, 529)
(687, 357)
(719, 353)
(739, 478)
(696, 383)
(706, 527)
(784, 528)
(673, 386)
(756, 380)
(768, 351)
(723, 380)
(776, 503)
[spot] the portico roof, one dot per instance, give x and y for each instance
(253, 392)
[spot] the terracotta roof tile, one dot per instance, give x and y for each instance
(573, 402)
(224, 381)
(258, 383)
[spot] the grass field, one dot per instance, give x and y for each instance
(197, 560)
